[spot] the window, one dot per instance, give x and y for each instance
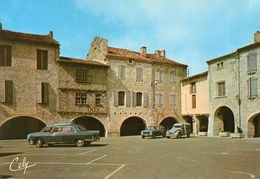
(139, 74)
(159, 99)
(172, 77)
(173, 100)
(193, 101)
(252, 63)
(98, 99)
(81, 97)
(221, 89)
(43, 92)
(220, 65)
(5, 55)
(139, 99)
(193, 88)
(158, 76)
(121, 72)
(42, 59)
(121, 98)
(81, 75)
(252, 88)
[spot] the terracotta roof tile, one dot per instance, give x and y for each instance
(28, 37)
(149, 58)
(80, 61)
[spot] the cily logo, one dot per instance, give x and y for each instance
(20, 166)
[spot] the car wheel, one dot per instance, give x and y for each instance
(168, 137)
(88, 143)
(143, 137)
(163, 135)
(80, 143)
(188, 135)
(39, 143)
(179, 135)
(154, 136)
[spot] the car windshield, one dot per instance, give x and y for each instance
(82, 128)
(46, 129)
(152, 127)
(177, 126)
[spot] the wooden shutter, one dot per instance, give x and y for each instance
(39, 92)
(252, 88)
(45, 90)
(8, 91)
(145, 100)
(133, 99)
(115, 98)
(128, 99)
(2, 91)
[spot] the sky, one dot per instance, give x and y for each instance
(191, 32)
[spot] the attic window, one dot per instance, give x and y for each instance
(130, 61)
(220, 65)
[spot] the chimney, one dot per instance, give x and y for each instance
(163, 53)
(51, 34)
(157, 53)
(143, 51)
(257, 37)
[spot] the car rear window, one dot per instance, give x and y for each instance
(82, 128)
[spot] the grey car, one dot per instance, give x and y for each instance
(153, 131)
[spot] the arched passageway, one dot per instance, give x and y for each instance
(226, 118)
(132, 126)
(19, 127)
(168, 122)
(256, 122)
(91, 124)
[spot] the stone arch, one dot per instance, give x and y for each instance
(168, 122)
(224, 120)
(20, 126)
(91, 123)
(253, 126)
(132, 126)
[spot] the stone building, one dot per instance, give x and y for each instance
(234, 90)
(143, 88)
(195, 102)
(116, 91)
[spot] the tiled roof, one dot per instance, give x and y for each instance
(149, 58)
(28, 37)
(80, 61)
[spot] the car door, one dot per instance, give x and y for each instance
(55, 135)
(68, 134)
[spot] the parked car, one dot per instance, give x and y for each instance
(153, 131)
(63, 133)
(178, 130)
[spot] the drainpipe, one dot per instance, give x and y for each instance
(239, 92)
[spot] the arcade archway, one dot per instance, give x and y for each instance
(225, 119)
(19, 127)
(256, 124)
(91, 124)
(132, 126)
(168, 122)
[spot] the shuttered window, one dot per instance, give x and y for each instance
(42, 92)
(172, 77)
(252, 88)
(121, 72)
(139, 74)
(193, 102)
(173, 100)
(158, 76)
(5, 55)
(42, 59)
(221, 89)
(252, 63)
(159, 99)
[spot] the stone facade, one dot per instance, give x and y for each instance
(234, 91)
(117, 91)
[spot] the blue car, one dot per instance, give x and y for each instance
(63, 133)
